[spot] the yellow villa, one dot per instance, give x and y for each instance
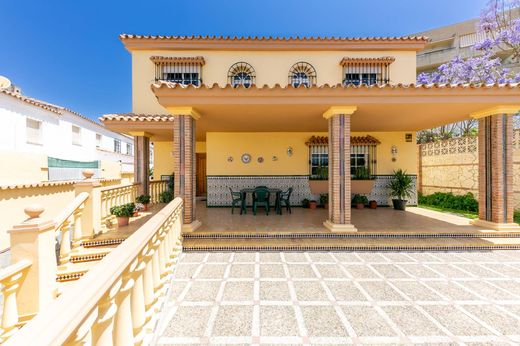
(235, 113)
(301, 119)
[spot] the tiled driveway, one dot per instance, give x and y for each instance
(344, 298)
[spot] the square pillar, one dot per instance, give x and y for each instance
(184, 164)
(495, 145)
(339, 169)
(142, 163)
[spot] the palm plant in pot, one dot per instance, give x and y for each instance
(401, 187)
(123, 213)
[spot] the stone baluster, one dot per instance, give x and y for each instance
(123, 328)
(10, 309)
(148, 280)
(138, 301)
(65, 243)
(103, 327)
(76, 236)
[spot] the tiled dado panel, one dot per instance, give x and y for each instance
(380, 191)
(218, 188)
(219, 195)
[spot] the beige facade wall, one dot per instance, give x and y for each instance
(20, 167)
(163, 157)
(271, 67)
(452, 166)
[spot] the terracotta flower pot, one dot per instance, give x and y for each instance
(360, 206)
(372, 204)
(122, 221)
(136, 214)
(313, 204)
(145, 207)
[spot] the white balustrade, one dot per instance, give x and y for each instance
(156, 188)
(113, 196)
(11, 279)
(115, 302)
(68, 225)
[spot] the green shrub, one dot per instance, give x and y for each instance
(359, 199)
(166, 196)
(143, 199)
(448, 200)
(362, 173)
(123, 210)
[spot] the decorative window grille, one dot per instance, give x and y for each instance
(182, 70)
(302, 73)
(99, 140)
(241, 73)
(33, 131)
(117, 146)
(363, 153)
(367, 71)
(76, 135)
(129, 149)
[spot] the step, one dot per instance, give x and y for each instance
(90, 254)
(102, 242)
(74, 271)
(344, 235)
(350, 244)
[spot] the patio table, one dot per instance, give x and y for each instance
(277, 192)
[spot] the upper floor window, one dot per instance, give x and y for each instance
(302, 73)
(117, 146)
(241, 73)
(99, 140)
(367, 71)
(182, 70)
(34, 131)
(76, 135)
(129, 149)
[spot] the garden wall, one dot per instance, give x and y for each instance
(452, 166)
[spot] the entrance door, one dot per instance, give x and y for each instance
(201, 174)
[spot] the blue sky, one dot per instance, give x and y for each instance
(68, 52)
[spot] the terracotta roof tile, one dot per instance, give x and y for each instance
(179, 59)
(44, 105)
(354, 140)
(137, 117)
(172, 85)
(270, 38)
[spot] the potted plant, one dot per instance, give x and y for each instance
(138, 207)
(319, 183)
(362, 182)
(305, 203)
(372, 204)
(401, 187)
(359, 201)
(324, 200)
(144, 200)
(123, 213)
(313, 204)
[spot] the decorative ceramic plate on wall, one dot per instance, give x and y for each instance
(246, 158)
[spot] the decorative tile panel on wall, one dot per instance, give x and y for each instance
(380, 191)
(218, 194)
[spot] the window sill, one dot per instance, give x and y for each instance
(35, 143)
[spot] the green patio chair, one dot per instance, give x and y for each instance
(261, 198)
(236, 198)
(285, 200)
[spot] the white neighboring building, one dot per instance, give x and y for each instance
(40, 141)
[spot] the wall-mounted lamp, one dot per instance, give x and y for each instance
(394, 153)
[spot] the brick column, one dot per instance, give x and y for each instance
(339, 169)
(142, 164)
(184, 164)
(495, 144)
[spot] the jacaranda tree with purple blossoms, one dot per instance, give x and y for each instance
(500, 24)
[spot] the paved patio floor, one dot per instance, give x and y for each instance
(342, 298)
